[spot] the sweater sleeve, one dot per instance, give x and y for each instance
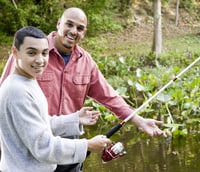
(36, 135)
(66, 125)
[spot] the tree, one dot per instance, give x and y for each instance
(177, 12)
(157, 36)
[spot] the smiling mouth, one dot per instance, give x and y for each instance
(70, 37)
(37, 67)
(70, 41)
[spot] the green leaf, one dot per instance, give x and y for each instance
(139, 87)
(164, 97)
(122, 60)
(139, 73)
(173, 125)
(130, 82)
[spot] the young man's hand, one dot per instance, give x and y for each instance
(98, 143)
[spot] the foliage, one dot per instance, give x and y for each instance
(104, 16)
(137, 78)
(29, 12)
(135, 75)
(188, 4)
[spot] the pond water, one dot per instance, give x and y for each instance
(152, 155)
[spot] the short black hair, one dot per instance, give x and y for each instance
(27, 31)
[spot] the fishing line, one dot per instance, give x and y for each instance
(118, 126)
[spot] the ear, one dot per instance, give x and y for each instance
(85, 32)
(83, 35)
(58, 24)
(15, 52)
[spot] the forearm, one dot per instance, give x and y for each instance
(66, 125)
(137, 120)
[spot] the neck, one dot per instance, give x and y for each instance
(21, 72)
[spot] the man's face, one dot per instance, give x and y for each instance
(32, 57)
(71, 29)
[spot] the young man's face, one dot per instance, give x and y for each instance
(71, 29)
(32, 57)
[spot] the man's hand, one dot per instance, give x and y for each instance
(149, 126)
(87, 116)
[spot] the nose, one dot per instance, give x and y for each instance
(74, 30)
(39, 58)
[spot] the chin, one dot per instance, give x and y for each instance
(68, 46)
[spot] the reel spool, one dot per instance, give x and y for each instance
(113, 151)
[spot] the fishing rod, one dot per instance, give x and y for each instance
(116, 150)
(118, 126)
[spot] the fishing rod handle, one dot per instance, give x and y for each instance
(110, 133)
(113, 130)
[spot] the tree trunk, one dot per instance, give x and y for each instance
(157, 37)
(177, 12)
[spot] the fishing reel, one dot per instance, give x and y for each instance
(113, 151)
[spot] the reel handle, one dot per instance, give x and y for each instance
(109, 134)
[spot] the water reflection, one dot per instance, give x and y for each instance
(152, 155)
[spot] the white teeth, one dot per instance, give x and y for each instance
(34, 65)
(69, 36)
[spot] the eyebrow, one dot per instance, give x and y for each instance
(32, 48)
(70, 21)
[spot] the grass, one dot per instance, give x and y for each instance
(188, 42)
(121, 55)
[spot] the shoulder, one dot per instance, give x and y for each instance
(81, 51)
(51, 39)
(84, 55)
(15, 86)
